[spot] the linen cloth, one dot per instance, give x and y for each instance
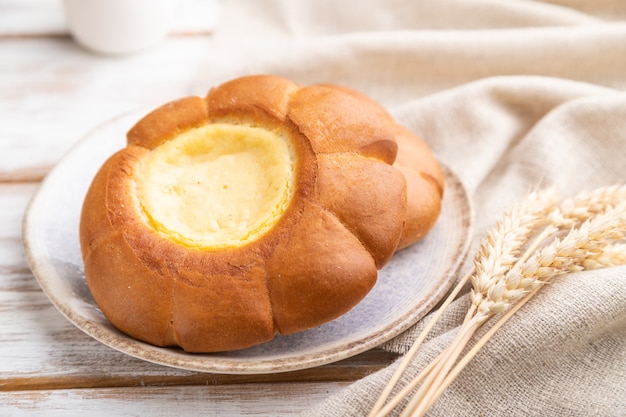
(511, 95)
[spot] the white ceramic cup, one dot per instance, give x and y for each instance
(119, 26)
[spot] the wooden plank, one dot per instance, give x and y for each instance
(41, 350)
(75, 375)
(239, 400)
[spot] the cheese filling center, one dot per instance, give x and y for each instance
(217, 186)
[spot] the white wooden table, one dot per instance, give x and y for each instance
(52, 92)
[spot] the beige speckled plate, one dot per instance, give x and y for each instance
(408, 287)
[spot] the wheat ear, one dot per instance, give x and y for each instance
(588, 247)
(497, 252)
(503, 280)
(564, 255)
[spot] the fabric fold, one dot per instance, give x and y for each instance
(511, 96)
(553, 358)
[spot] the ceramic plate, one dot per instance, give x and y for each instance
(408, 287)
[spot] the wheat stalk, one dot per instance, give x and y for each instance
(594, 227)
(588, 247)
(497, 252)
(588, 241)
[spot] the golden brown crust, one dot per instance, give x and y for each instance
(128, 293)
(167, 121)
(257, 97)
(358, 191)
(342, 122)
(313, 279)
(424, 177)
(351, 209)
(425, 185)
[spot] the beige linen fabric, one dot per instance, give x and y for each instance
(511, 95)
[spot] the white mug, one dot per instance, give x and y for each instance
(119, 26)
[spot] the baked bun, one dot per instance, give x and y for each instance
(263, 208)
